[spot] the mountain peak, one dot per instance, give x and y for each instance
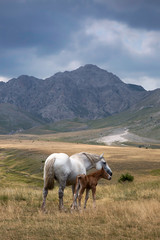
(27, 78)
(90, 67)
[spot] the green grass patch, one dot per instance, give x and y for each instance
(21, 166)
(155, 172)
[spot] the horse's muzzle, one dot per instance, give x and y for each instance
(109, 172)
(109, 178)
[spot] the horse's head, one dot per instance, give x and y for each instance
(102, 163)
(105, 175)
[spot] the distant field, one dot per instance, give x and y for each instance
(124, 211)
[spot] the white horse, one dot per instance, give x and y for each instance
(64, 169)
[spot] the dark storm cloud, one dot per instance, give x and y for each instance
(44, 24)
(41, 37)
(49, 24)
(143, 14)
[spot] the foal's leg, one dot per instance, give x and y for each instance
(86, 198)
(94, 196)
(45, 193)
(81, 191)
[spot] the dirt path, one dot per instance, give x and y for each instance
(123, 135)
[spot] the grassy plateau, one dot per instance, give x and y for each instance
(129, 210)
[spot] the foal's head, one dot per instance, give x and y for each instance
(105, 175)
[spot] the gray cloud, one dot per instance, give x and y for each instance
(40, 24)
(41, 37)
(143, 14)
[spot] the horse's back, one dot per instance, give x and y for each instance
(57, 161)
(77, 156)
(57, 156)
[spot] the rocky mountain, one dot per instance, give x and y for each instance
(152, 100)
(13, 120)
(87, 92)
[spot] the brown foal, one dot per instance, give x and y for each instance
(88, 182)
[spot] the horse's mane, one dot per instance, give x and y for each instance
(94, 158)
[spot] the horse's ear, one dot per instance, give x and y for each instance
(101, 156)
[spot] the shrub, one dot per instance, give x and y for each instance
(126, 177)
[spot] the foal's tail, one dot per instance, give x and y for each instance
(78, 184)
(49, 174)
(77, 187)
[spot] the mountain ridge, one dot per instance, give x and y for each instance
(88, 92)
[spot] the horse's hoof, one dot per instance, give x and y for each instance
(44, 211)
(63, 209)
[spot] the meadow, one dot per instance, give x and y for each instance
(127, 210)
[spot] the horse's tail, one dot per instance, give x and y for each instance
(49, 174)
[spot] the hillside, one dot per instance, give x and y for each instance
(14, 120)
(140, 123)
(142, 119)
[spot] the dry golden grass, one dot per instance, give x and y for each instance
(49, 146)
(21, 217)
(124, 211)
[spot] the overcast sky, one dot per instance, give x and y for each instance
(42, 37)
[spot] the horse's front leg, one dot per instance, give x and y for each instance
(73, 205)
(73, 188)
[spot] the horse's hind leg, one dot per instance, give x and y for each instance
(45, 193)
(75, 189)
(61, 193)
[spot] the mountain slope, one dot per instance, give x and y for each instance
(147, 115)
(143, 118)
(13, 120)
(87, 92)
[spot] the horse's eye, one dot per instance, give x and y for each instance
(104, 163)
